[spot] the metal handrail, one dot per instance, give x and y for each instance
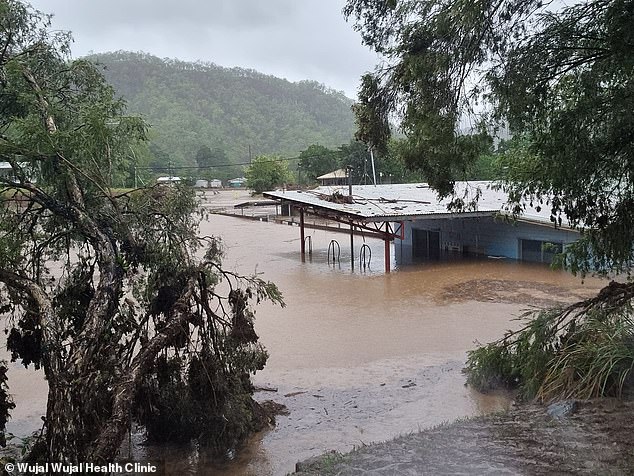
(310, 244)
(365, 255)
(331, 246)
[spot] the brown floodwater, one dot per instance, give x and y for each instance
(357, 356)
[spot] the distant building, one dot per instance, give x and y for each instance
(202, 183)
(168, 180)
(334, 178)
(5, 169)
(237, 182)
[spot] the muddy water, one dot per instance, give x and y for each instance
(357, 355)
(361, 356)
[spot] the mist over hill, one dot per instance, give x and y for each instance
(233, 111)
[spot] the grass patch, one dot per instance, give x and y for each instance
(582, 351)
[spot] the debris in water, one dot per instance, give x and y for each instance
(292, 394)
(265, 389)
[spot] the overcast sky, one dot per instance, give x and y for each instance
(292, 39)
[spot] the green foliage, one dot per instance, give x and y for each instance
(372, 129)
(206, 157)
(317, 160)
(559, 78)
(189, 104)
(389, 165)
(356, 155)
(429, 48)
(266, 173)
(520, 359)
(103, 285)
(485, 167)
(6, 402)
(583, 351)
(599, 360)
(207, 397)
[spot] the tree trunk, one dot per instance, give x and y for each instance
(64, 433)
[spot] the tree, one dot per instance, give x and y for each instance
(421, 84)
(207, 157)
(266, 173)
(490, 164)
(355, 154)
(388, 165)
(561, 78)
(126, 309)
(372, 129)
(317, 160)
(391, 167)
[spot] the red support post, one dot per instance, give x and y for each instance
(387, 254)
(352, 244)
(301, 232)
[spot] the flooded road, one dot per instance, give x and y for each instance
(357, 356)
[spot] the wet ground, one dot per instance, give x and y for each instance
(525, 441)
(357, 356)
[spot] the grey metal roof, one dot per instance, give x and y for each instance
(376, 203)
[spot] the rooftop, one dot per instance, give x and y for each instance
(396, 202)
(339, 173)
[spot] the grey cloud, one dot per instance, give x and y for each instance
(234, 14)
(295, 39)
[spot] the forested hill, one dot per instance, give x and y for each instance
(191, 105)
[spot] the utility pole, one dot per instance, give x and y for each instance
(299, 176)
(349, 172)
(373, 170)
(365, 171)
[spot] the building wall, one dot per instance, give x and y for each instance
(480, 235)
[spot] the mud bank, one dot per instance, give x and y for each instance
(525, 440)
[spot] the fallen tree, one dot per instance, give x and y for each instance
(113, 294)
(584, 350)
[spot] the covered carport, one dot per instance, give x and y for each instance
(378, 210)
(335, 208)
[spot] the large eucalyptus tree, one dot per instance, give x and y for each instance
(112, 293)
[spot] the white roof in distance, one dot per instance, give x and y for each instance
(339, 173)
(168, 179)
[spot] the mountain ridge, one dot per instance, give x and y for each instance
(240, 111)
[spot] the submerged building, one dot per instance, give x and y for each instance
(422, 227)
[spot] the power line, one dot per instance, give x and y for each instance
(196, 167)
